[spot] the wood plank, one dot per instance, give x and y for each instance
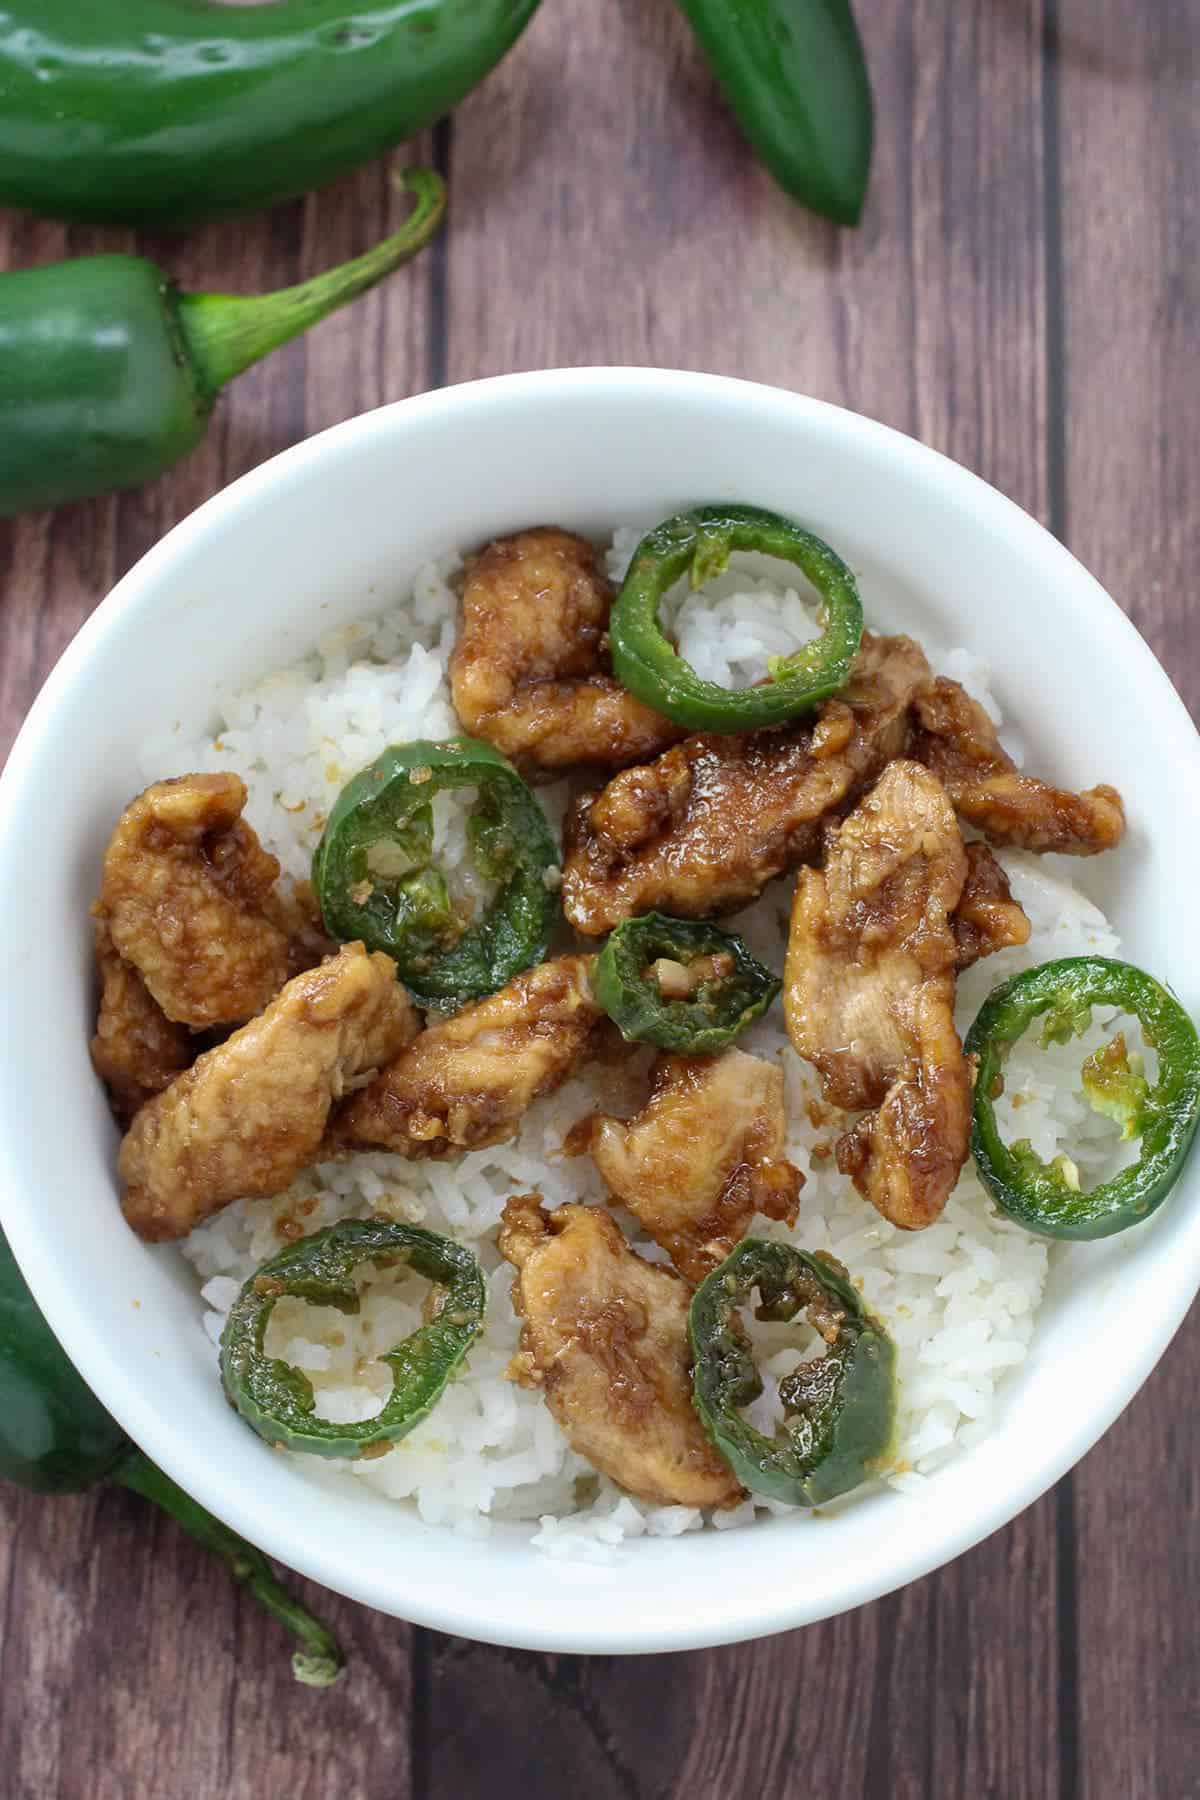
(142, 1669)
(608, 212)
(130, 1664)
(605, 210)
(55, 567)
(929, 1692)
(1129, 109)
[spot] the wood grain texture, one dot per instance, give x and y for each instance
(1023, 295)
(1129, 112)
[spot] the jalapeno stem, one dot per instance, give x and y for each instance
(319, 1662)
(225, 333)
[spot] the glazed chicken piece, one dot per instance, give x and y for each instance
(467, 1081)
(703, 828)
(702, 1157)
(604, 1335)
(528, 672)
(249, 1115)
(987, 918)
(869, 992)
(186, 894)
(955, 738)
(136, 1051)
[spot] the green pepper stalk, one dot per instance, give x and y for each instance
(375, 879)
(793, 71)
(108, 374)
(699, 543)
(721, 988)
(1048, 1198)
(56, 1438)
(163, 112)
(839, 1409)
(277, 1400)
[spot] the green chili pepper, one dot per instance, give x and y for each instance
(794, 74)
(277, 1400)
(839, 1409)
(699, 543)
(56, 1438)
(108, 374)
(375, 878)
(722, 988)
(1048, 1198)
(162, 112)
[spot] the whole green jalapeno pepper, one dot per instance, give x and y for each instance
(698, 543)
(277, 1400)
(793, 71)
(56, 1438)
(375, 879)
(839, 1409)
(108, 374)
(163, 112)
(680, 983)
(1048, 1198)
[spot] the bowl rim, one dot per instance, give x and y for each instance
(746, 1616)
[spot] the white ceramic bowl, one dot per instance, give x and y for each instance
(330, 530)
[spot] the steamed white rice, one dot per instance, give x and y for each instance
(960, 1298)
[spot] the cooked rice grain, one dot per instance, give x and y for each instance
(960, 1299)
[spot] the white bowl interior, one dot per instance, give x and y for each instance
(336, 528)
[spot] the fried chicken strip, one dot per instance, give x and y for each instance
(955, 738)
(987, 918)
(528, 673)
(604, 1335)
(136, 1051)
(703, 828)
(467, 1081)
(702, 1157)
(185, 896)
(249, 1115)
(869, 991)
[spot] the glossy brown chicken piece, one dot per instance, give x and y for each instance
(249, 1115)
(529, 672)
(604, 1335)
(185, 894)
(702, 1157)
(136, 1051)
(869, 992)
(987, 918)
(955, 738)
(703, 828)
(468, 1081)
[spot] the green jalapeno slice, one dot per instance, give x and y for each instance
(839, 1409)
(277, 1400)
(376, 880)
(699, 543)
(1048, 1198)
(680, 983)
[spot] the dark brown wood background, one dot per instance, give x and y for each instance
(1024, 295)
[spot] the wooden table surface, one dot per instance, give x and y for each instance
(1023, 294)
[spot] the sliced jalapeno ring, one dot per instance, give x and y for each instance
(277, 1399)
(699, 543)
(376, 880)
(839, 1409)
(1048, 1198)
(680, 983)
